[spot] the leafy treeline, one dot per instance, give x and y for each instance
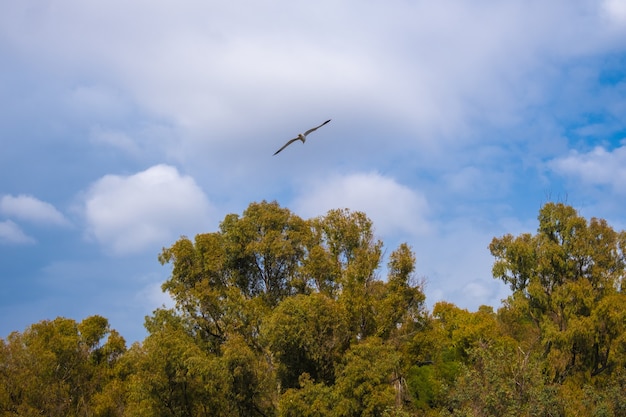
(280, 316)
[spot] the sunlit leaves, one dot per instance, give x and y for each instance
(569, 273)
(56, 367)
(280, 316)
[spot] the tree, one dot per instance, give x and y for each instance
(399, 304)
(271, 291)
(264, 250)
(222, 279)
(349, 239)
(568, 279)
(57, 367)
(171, 375)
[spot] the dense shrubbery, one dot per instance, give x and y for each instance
(280, 316)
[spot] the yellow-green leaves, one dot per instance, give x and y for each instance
(281, 316)
(58, 367)
(307, 334)
(568, 273)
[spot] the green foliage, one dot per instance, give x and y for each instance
(310, 399)
(369, 380)
(566, 279)
(307, 334)
(280, 316)
(501, 379)
(56, 367)
(289, 295)
(171, 376)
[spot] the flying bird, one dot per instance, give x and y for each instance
(301, 136)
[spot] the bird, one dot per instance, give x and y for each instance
(301, 136)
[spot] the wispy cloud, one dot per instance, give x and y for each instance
(598, 167)
(10, 233)
(29, 208)
(128, 214)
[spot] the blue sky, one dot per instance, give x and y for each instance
(125, 125)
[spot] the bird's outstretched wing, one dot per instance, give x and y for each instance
(287, 144)
(315, 128)
(301, 137)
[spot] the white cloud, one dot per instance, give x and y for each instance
(11, 233)
(29, 208)
(616, 9)
(432, 66)
(145, 210)
(596, 167)
(395, 209)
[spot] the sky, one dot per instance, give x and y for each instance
(125, 125)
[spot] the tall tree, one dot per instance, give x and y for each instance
(348, 237)
(271, 289)
(399, 305)
(567, 278)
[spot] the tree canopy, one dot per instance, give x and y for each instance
(277, 315)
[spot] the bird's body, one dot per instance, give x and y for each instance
(301, 136)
